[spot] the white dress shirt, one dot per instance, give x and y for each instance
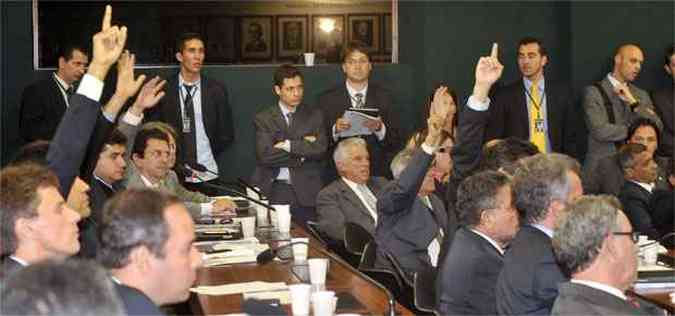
(354, 186)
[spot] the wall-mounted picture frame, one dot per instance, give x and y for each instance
(328, 37)
(257, 37)
(387, 26)
(220, 39)
(365, 28)
(292, 36)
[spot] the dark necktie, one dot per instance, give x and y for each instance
(359, 100)
(70, 91)
(289, 116)
(189, 133)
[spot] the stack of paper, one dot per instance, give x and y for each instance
(231, 252)
(236, 288)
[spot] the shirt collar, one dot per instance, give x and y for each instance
(647, 186)
(103, 181)
(148, 183)
(490, 240)
(19, 260)
(613, 80)
(353, 91)
(350, 183)
(549, 232)
(285, 109)
(61, 82)
(541, 84)
(181, 82)
(602, 287)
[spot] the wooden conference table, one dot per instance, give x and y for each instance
(659, 296)
(341, 278)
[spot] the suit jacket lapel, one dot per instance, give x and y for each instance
(56, 95)
(371, 98)
(279, 119)
(351, 196)
(174, 114)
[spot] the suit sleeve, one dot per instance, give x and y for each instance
(329, 214)
(637, 212)
(69, 145)
(400, 194)
(100, 134)
(315, 150)
(597, 120)
(266, 154)
(646, 108)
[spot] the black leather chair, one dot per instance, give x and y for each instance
(383, 276)
(424, 291)
(356, 238)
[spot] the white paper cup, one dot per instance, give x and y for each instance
(318, 267)
(300, 250)
(261, 215)
(323, 303)
(284, 223)
(300, 295)
(651, 254)
(309, 59)
(247, 226)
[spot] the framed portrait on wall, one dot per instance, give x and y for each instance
(365, 29)
(256, 33)
(328, 36)
(388, 27)
(220, 40)
(292, 36)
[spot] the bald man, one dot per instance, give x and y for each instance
(614, 103)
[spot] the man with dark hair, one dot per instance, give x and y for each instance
(290, 147)
(489, 220)
(663, 103)
(533, 108)
(595, 245)
(150, 167)
(70, 287)
(36, 222)
(504, 153)
(607, 177)
(640, 171)
(146, 240)
(613, 104)
(358, 92)
(43, 103)
(197, 107)
(543, 184)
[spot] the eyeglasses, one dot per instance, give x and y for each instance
(634, 236)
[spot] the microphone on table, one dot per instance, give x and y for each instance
(271, 253)
(225, 189)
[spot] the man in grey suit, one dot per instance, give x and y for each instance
(595, 244)
(290, 146)
(352, 197)
(543, 185)
(663, 101)
(611, 105)
(411, 219)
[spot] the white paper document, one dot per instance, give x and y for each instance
(236, 288)
(357, 119)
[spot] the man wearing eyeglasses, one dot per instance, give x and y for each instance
(640, 172)
(544, 184)
(595, 245)
(358, 92)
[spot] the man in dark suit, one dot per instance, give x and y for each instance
(639, 170)
(290, 148)
(411, 219)
(197, 107)
(607, 176)
(595, 244)
(358, 92)
(352, 198)
(489, 220)
(37, 225)
(663, 104)
(533, 108)
(43, 103)
(543, 185)
(146, 236)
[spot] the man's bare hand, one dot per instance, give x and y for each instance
(108, 45)
(149, 96)
(488, 71)
(624, 93)
(374, 125)
(127, 86)
(342, 124)
(223, 206)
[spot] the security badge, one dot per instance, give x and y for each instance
(539, 125)
(186, 124)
